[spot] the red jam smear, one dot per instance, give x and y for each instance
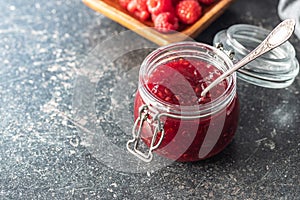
(180, 82)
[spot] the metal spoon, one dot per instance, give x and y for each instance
(279, 35)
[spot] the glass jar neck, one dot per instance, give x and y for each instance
(186, 50)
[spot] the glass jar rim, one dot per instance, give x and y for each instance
(200, 109)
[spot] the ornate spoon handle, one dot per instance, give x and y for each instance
(279, 35)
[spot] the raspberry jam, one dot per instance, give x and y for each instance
(178, 123)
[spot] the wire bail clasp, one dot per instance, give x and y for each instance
(136, 133)
(230, 53)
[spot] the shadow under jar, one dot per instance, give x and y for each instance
(171, 117)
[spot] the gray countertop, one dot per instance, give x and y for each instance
(46, 149)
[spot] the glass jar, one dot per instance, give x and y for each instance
(171, 118)
(275, 69)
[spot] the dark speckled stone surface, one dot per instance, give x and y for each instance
(43, 154)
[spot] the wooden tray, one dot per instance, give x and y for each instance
(112, 10)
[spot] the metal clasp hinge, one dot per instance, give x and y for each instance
(136, 133)
(229, 53)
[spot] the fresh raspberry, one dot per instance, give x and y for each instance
(188, 11)
(142, 5)
(132, 6)
(206, 2)
(142, 15)
(124, 3)
(159, 6)
(139, 9)
(166, 22)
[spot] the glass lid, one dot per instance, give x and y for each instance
(275, 69)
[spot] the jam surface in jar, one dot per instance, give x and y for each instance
(179, 83)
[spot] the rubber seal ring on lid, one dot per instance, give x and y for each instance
(276, 69)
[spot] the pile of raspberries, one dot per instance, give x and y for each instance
(167, 15)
